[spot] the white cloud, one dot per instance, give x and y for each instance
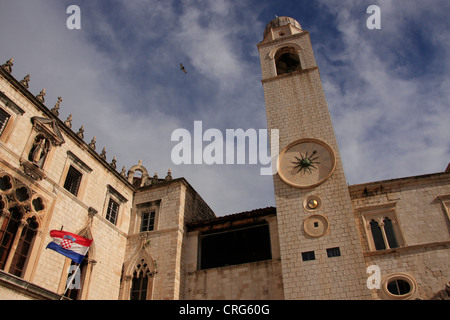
(388, 126)
(119, 76)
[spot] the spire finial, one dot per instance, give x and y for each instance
(8, 65)
(25, 81)
(103, 154)
(80, 132)
(68, 122)
(113, 163)
(55, 109)
(92, 143)
(169, 175)
(41, 96)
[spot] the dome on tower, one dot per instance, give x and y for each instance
(279, 22)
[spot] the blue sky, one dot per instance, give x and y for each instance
(387, 90)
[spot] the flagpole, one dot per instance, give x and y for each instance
(70, 281)
(73, 275)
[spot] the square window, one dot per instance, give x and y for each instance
(148, 221)
(113, 211)
(307, 256)
(73, 180)
(333, 252)
(4, 118)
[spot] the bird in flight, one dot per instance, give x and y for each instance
(182, 68)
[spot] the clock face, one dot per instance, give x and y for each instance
(306, 163)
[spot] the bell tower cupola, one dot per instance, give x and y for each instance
(280, 27)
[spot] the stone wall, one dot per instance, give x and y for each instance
(63, 210)
(259, 280)
(419, 206)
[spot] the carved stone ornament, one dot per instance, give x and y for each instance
(92, 212)
(8, 65)
(113, 163)
(169, 175)
(155, 179)
(39, 151)
(32, 170)
(41, 96)
(68, 122)
(25, 81)
(103, 154)
(49, 128)
(80, 132)
(55, 109)
(92, 143)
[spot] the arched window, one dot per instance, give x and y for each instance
(287, 60)
(8, 231)
(383, 234)
(19, 234)
(390, 234)
(139, 286)
(142, 282)
(377, 235)
(26, 239)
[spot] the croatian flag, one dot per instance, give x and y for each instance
(69, 244)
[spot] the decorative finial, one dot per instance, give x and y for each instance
(80, 132)
(155, 178)
(55, 109)
(25, 81)
(41, 96)
(169, 175)
(140, 162)
(103, 154)
(92, 143)
(123, 173)
(68, 122)
(8, 65)
(113, 163)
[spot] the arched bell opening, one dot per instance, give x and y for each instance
(287, 60)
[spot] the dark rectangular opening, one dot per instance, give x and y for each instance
(113, 211)
(235, 246)
(148, 221)
(4, 117)
(307, 256)
(73, 179)
(333, 252)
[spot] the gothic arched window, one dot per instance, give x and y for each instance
(142, 282)
(139, 286)
(27, 236)
(19, 234)
(8, 232)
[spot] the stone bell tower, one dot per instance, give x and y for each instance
(321, 253)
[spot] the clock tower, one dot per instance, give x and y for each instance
(321, 252)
